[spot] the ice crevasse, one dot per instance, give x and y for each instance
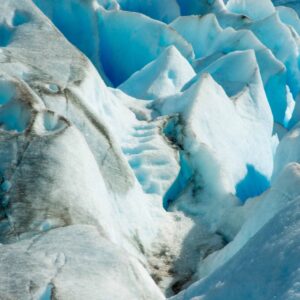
(149, 149)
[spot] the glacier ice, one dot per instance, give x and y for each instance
(255, 10)
(104, 52)
(195, 7)
(204, 101)
(266, 266)
(163, 10)
(287, 151)
(289, 17)
(294, 4)
(216, 42)
(47, 266)
(143, 38)
(281, 199)
(233, 71)
(149, 149)
(165, 76)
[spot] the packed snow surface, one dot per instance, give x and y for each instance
(149, 149)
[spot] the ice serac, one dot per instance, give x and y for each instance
(215, 42)
(233, 71)
(253, 9)
(285, 47)
(129, 41)
(233, 143)
(190, 28)
(163, 77)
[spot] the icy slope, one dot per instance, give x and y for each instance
(148, 149)
(84, 266)
(267, 267)
(61, 163)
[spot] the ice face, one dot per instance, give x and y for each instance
(143, 38)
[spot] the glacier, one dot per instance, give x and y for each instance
(149, 149)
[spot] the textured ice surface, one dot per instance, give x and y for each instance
(195, 7)
(228, 140)
(294, 4)
(215, 42)
(75, 262)
(255, 10)
(289, 17)
(146, 146)
(163, 10)
(287, 151)
(163, 77)
(265, 267)
(277, 270)
(143, 38)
